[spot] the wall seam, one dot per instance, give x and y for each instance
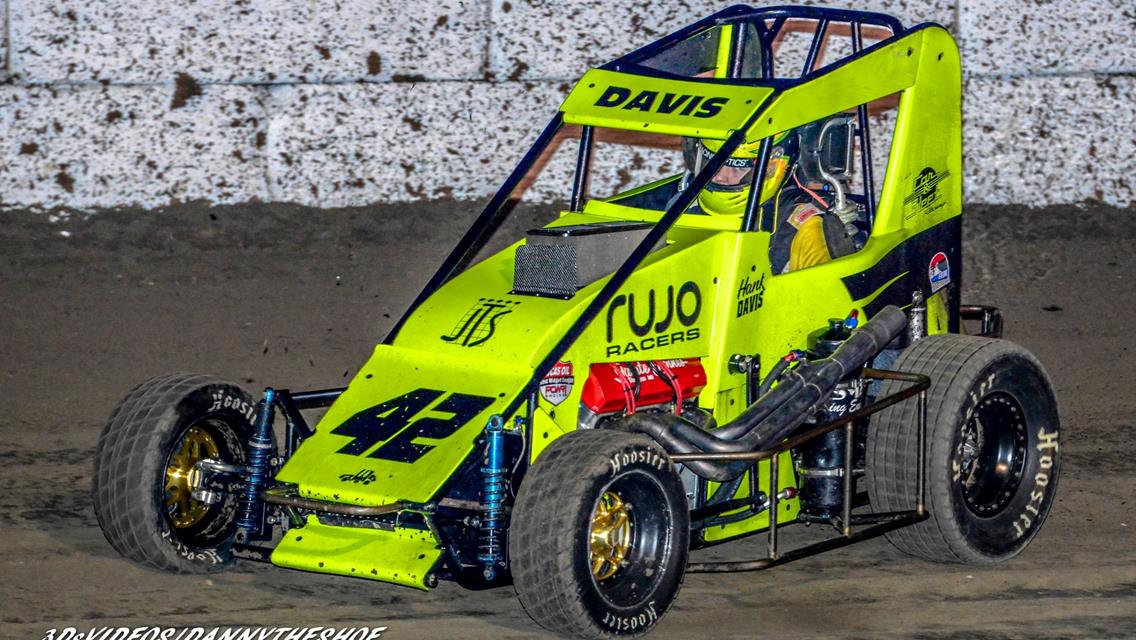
(490, 33)
(6, 72)
(268, 104)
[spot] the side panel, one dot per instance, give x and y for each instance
(923, 184)
(666, 310)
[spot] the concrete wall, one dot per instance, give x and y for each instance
(346, 102)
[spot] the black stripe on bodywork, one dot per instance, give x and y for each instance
(912, 256)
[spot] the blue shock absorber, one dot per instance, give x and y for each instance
(492, 498)
(250, 510)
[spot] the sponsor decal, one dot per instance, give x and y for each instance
(939, 271)
(846, 398)
(737, 163)
(750, 295)
(478, 324)
(365, 476)
(392, 423)
(557, 385)
(925, 197)
(801, 213)
(682, 104)
(659, 328)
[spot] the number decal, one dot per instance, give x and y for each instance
(391, 422)
(371, 426)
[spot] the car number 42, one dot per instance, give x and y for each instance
(392, 423)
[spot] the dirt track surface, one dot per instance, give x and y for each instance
(296, 298)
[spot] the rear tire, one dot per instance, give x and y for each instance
(149, 445)
(992, 450)
(599, 535)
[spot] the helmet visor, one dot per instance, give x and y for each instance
(735, 174)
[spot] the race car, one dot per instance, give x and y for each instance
(770, 334)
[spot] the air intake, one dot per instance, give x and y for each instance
(558, 261)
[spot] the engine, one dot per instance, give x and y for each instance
(614, 389)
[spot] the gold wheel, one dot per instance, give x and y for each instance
(610, 535)
(195, 445)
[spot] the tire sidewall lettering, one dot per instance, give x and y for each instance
(638, 457)
(621, 622)
(222, 399)
(208, 555)
(1019, 520)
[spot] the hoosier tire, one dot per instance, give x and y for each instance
(992, 450)
(140, 486)
(599, 535)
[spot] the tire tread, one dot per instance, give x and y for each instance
(951, 361)
(131, 438)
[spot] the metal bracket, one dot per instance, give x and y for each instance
(990, 317)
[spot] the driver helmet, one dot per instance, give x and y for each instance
(728, 190)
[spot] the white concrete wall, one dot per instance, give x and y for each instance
(346, 102)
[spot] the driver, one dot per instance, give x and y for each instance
(728, 191)
(804, 233)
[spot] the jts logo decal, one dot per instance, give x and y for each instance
(925, 197)
(939, 271)
(669, 103)
(682, 309)
(478, 324)
(750, 295)
(392, 423)
(557, 385)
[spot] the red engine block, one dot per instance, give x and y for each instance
(625, 386)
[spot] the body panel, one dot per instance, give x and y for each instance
(403, 556)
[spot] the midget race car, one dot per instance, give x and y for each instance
(769, 335)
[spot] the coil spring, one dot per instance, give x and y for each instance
(260, 450)
(492, 498)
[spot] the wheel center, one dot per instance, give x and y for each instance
(991, 454)
(610, 535)
(195, 445)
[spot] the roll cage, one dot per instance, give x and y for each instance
(767, 24)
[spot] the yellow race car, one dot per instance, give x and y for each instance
(769, 334)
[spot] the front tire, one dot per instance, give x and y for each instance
(992, 450)
(145, 454)
(599, 535)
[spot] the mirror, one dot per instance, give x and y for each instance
(836, 146)
(827, 147)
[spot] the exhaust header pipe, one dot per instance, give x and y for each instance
(776, 414)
